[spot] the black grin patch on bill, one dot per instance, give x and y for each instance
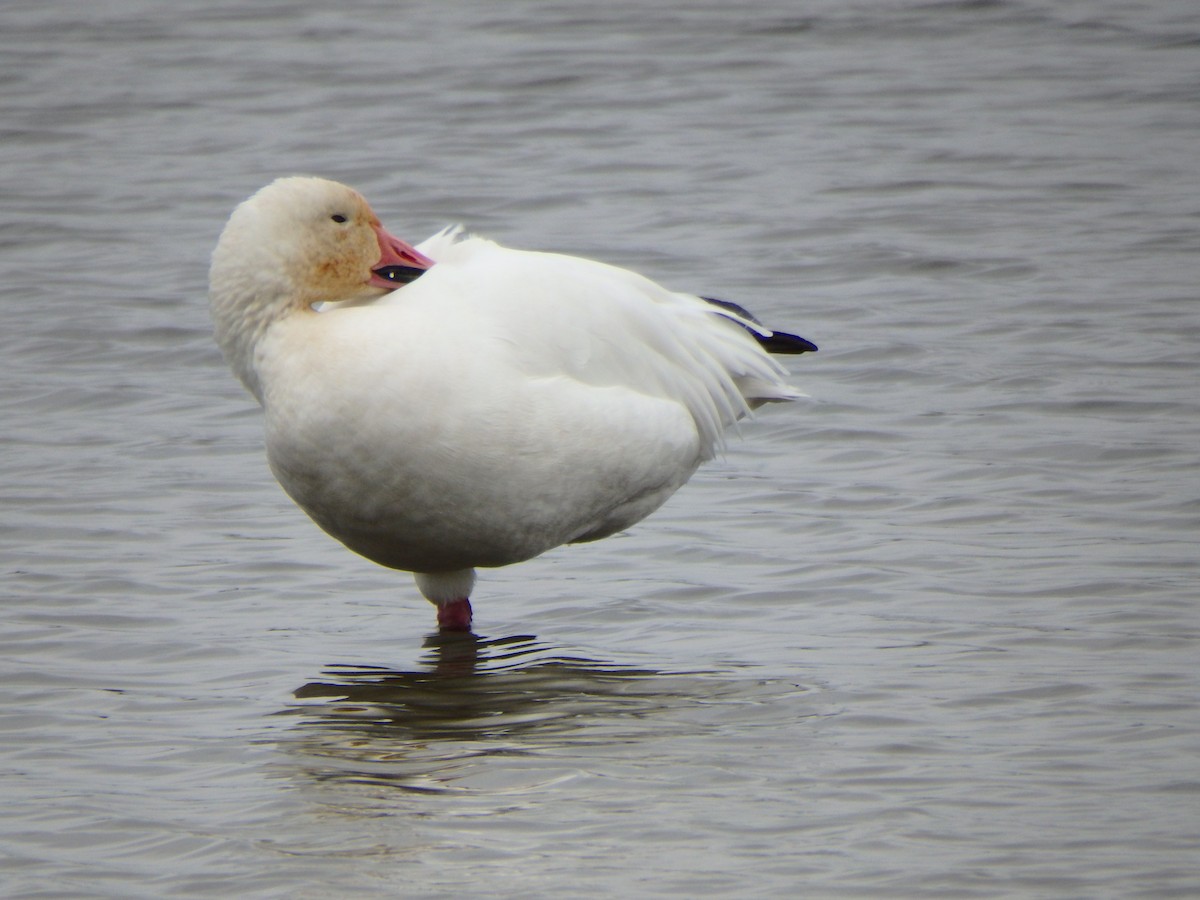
(399, 274)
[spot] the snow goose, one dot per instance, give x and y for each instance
(460, 404)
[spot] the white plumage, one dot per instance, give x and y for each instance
(498, 405)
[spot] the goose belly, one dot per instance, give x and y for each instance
(489, 479)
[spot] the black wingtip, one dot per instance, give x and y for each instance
(782, 342)
(775, 342)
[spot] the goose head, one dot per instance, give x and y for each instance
(298, 242)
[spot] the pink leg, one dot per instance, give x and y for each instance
(455, 615)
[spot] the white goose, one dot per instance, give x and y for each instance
(500, 404)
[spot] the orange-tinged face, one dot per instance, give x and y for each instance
(330, 245)
(352, 255)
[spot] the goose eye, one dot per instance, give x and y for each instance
(338, 217)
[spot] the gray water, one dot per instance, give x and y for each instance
(930, 633)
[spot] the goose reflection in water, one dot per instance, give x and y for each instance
(471, 688)
(430, 728)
